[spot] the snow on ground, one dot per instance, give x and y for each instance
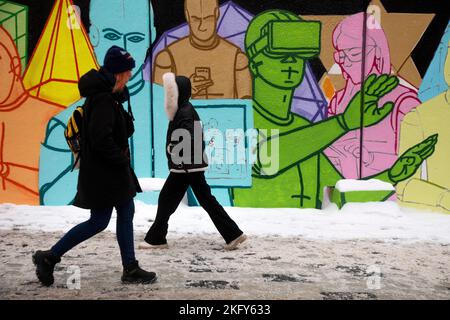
(385, 221)
(264, 267)
(151, 184)
(365, 251)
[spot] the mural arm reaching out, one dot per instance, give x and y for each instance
(407, 165)
(316, 137)
(313, 139)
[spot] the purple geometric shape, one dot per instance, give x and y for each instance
(309, 101)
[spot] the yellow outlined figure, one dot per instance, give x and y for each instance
(430, 186)
(62, 55)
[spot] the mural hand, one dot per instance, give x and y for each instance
(199, 84)
(408, 163)
(375, 87)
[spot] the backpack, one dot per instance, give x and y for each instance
(73, 133)
(74, 129)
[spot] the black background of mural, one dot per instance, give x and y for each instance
(169, 14)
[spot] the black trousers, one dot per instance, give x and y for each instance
(170, 197)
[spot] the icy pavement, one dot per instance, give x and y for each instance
(196, 267)
(365, 251)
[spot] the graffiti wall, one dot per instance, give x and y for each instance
(293, 95)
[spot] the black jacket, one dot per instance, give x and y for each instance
(187, 118)
(105, 178)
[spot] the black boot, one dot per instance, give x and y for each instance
(134, 274)
(45, 262)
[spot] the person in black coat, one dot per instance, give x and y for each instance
(106, 179)
(187, 164)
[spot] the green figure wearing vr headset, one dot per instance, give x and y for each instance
(278, 43)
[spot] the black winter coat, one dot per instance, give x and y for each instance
(106, 178)
(188, 119)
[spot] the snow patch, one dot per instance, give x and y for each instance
(151, 184)
(348, 185)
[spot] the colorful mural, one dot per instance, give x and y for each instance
(219, 72)
(302, 171)
(217, 68)
(333, 91)
(57, 181)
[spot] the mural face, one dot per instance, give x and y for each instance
(202, 16)
(277, 56)
(129, 29)
(286, 71)
(349, 55)
(127, 23)
(348, 46)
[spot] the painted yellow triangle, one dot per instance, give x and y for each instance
(62, 55)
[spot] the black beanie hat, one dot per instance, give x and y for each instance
(118, 60)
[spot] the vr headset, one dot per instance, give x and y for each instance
(300, 38)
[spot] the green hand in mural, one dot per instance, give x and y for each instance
(408, 163)
(374, 89)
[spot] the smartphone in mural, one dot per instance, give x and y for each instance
(203, 73)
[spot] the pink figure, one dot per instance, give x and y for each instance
(380, 141)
